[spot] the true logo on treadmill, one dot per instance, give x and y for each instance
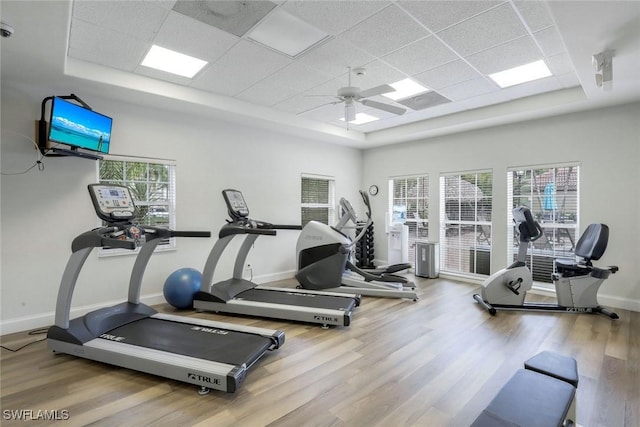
(203, 379)
(112, 337)
(326, 318)
(209, 330)
(579, 309)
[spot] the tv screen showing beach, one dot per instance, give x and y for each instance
(79, 127)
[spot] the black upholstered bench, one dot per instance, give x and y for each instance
(541, 395)
(554, 365)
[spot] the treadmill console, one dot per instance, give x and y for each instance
(113, 203)
(236, 206)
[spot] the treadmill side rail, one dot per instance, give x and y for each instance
(204, 373)
(320, 316)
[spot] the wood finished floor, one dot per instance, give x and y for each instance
(435, 362)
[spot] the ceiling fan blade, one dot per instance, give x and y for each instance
(378, 90)
(349, 111)
(385, 107)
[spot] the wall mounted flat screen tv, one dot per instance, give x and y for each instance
(79, 127)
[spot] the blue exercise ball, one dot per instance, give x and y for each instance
(181, 286)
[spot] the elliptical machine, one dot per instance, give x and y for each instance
(324, 262)
(576, 282)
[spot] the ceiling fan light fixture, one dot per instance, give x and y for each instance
(404, 89)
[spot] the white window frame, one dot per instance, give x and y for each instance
(330, 205)
(468, 247)
(560, 234)
(169, 202)
(416, 219)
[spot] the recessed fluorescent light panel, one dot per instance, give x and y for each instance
(286, 33)
(362, 118)
(173, 62)
(522, 74)
(404, 89)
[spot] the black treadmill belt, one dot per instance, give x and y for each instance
(298, 299)
(217, 345)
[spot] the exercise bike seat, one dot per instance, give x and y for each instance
(590, 246)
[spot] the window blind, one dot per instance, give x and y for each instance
(412, 193)
(466, 209)
(552, 194)
(317, 199)
(152, 185)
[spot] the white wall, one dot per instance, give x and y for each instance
(606, 142)
(41, 212)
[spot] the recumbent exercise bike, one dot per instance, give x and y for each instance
(576, 282)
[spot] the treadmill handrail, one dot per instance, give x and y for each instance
(233, 229)
(100, 238)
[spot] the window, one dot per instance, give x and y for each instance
(466, 201)
(317, 199)
(551, 192)
(410, 195)
(152, 185)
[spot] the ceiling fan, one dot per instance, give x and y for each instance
(351, 94)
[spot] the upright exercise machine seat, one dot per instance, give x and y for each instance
(591, 246)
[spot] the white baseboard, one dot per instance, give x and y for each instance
(42, 320)
(617, 302)
(274, 277)
(26, 323)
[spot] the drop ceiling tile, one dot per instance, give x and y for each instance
(242, 66)
(328, 88)
(547, 84)
(480, 101)
(491, 28)
(550, 41)
(569, 80)
(560, 64)
(138, 19)
(437, 15)
(332, 16)
(234, 17)
(162, 75)
(507, 55)
(301, 104)
(376, 73)
(425, 100)
(117, 50)
(297, 76)
(263, 93)
(535, 14)
(422, 55)
(333, 58)
(447, 75)
(191, 37)
(384, 32)
(468, 89)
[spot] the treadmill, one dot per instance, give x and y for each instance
(240, 296)
(208, 354)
